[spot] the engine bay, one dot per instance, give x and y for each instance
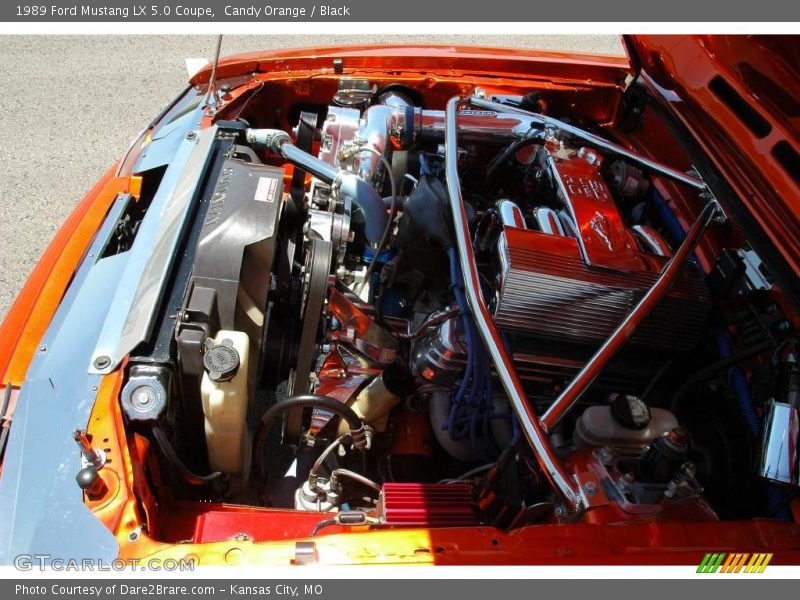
(405, 303)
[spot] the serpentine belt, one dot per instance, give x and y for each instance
(318, 266)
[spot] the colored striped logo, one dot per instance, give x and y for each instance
(734, 563)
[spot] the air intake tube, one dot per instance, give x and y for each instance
(344, 183)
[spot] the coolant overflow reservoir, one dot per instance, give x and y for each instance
(224, 394)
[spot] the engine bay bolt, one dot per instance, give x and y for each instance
(688, 470)
(102, 362)
(135, 534)
(90, 456)
(719, 217)
(673, 489)
(565, 514)
(590, 487)
(191, 135)
(606, 455)
(626, 482)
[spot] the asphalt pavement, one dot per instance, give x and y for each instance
(72, 105)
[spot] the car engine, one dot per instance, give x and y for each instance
(396, 311)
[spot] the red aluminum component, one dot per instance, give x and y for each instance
(604, 239)
(428, 505)
(256, 524)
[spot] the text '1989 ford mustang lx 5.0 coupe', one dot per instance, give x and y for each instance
(425, 305)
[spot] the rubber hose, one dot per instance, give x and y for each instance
(510, 151)
(667, 217)
(172, 456)
(303, 401)
(709, 371)
(738, 382)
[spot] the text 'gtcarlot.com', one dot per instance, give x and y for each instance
(29, 562)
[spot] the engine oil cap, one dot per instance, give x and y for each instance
(630, 411)
(221, 361)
